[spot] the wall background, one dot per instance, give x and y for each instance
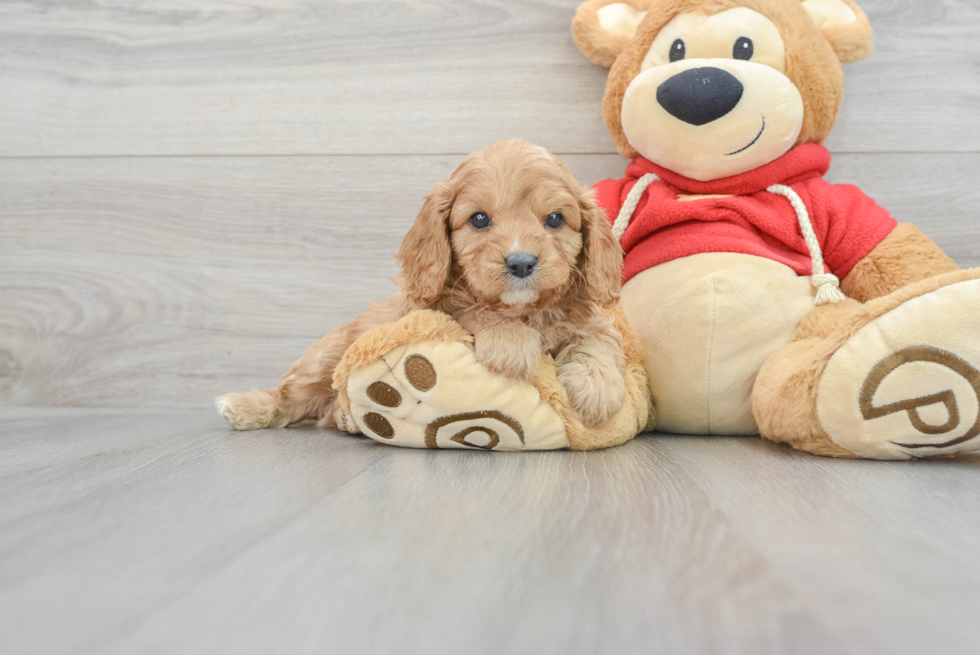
(192, 192)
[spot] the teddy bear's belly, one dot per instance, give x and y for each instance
(707, 323)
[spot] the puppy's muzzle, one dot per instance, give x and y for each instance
(521, 264)
(700, 95)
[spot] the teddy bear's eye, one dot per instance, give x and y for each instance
(678, 50)
(743, 48)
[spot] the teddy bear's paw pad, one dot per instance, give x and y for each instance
(908, 383)
(437, 395)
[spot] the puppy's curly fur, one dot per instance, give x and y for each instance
(451, 265)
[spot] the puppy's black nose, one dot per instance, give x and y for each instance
(521, 264)
(700, 95)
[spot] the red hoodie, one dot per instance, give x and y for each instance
(668, 224)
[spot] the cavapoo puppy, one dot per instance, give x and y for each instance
(515, 250)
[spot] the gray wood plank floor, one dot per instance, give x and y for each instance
(161, 531)
(192, 192)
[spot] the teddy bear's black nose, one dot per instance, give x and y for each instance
(700, 95)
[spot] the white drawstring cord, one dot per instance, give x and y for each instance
(827, 284)
(629, 206)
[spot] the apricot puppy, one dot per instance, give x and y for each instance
(515, 250)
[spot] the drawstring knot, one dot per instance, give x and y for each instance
(828, 289)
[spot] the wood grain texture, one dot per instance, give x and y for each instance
(162, 282)
(401, 76)
(161, 532)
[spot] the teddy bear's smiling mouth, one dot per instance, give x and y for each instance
(754, 141)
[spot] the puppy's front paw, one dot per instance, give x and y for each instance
(336, 417)
(596, 392)
(510, 349)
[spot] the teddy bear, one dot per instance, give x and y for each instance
(758, 298)
(767, 300)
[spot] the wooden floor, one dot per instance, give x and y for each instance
(192, 192)
(163, 532)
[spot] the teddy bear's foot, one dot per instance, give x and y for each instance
(417, 384)
(896, 378)
(437, 395)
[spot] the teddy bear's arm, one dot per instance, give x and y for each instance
(905, 256)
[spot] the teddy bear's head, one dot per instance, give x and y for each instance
(714, 88)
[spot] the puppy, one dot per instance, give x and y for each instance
(515, 250)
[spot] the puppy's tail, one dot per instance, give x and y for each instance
(254, 410)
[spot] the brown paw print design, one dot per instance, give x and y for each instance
(437, 395)
(907, 384)
(915, 407)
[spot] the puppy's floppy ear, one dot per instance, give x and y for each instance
(602, 255)
(845, 26)
(426, 254)
(603, 28)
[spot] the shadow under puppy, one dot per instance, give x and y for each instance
(515, 250)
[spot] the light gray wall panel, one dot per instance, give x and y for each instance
(387, 76)
(160, 282)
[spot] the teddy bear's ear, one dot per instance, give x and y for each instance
(603, 28)
(845, 25)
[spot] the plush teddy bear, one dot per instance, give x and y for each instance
(758, 298)
(727, 223)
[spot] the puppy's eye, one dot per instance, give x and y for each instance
(480, 220)
(744, 49)
(555, 220)
(678, 50)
